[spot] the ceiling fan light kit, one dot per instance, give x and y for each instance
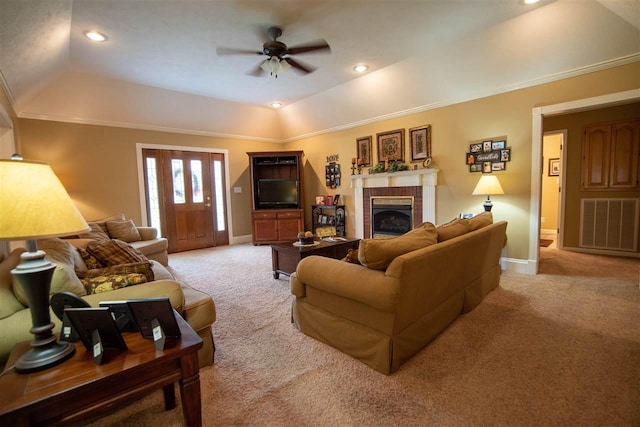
(279, 55)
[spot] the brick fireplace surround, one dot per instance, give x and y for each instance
(421, 184)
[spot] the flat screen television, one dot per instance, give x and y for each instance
(277, 193)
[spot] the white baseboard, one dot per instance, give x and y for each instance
(238, 240)
(515, 265)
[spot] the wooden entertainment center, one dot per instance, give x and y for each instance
(277, 195)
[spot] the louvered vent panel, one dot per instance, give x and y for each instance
(609, 224)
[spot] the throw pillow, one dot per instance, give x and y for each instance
(89, 260)
(64, 280)
(352, 256)
(123, 230)
(102, 222)
(480, 220)
(137, 267)
(377, 254)
(454, 228)
(59, 250)
(111, 282)
(114, 252)
(9, 304)
(96, 233)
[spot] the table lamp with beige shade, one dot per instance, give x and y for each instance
(35, 205)
(488, 185)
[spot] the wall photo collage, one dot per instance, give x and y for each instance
(488, 155)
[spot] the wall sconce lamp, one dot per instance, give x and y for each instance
(34, 204)
(488, 185)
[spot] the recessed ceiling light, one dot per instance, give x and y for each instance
(531, 1)
(95, 36)
(360, 68)
(276, 104)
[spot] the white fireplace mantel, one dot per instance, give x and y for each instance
(425, 178)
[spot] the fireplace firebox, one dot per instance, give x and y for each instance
(391, 216)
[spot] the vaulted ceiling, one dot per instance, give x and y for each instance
(159, 69)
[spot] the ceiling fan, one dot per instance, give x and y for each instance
(279, 54)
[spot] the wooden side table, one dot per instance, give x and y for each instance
(79, 391)
(285, 256)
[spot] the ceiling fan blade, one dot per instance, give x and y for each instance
(233, 51)
(300, 67)
(317, 46)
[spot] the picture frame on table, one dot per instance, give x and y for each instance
(390, 145)
(420, 138)
(363, 149)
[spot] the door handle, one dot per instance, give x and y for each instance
(208, 205)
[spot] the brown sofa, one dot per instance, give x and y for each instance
(195, 306)
(384, 314)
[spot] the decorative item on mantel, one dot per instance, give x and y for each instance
(332, 171)
(389, 167)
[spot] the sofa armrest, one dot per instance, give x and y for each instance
(347, 280)
(147, 233)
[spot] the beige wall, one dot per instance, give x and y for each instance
(453, 128)
(574, 124)
(97, 164)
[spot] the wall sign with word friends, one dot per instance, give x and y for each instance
(488, 155)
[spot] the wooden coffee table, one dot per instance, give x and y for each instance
(285, 256)
(79, 391)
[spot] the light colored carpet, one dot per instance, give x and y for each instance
(545, 350)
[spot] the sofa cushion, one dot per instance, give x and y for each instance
(454, 228)
(110, 282)
(377, 254)
(9, 304)
(123, 230)
(480, 220)
(114, 252)
(96, 233)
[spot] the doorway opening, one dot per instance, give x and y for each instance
(185, 197)
(552, 196)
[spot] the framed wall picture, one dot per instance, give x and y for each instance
(364, 150)
(420, 138)
(554, 167)
(390, 145)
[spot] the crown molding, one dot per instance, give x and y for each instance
(7, 90)
(139, 126)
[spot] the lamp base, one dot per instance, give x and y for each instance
(39, 358)
(34, 275)
(487, 205)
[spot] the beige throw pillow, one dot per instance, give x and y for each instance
(9, 304)
(123, 230)
(377, 254)
(96, 233)
(454, 228)
(480, 220)
(64, 280)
